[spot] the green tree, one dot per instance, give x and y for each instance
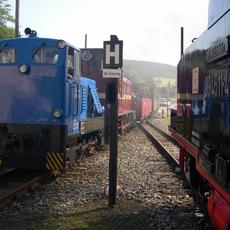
(132, 74)
(5, 19)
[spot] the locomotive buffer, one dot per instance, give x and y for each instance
(112, 63)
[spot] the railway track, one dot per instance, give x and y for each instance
(16, 183)
(169, 149)
(163, 141)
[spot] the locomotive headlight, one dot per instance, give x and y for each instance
(56, 113)
(23, 68)
(61, 44)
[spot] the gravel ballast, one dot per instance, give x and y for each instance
(145, 177)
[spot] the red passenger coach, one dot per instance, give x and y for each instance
(126, 116)
(142, 103)
(92, 68)
(146, 107)
(124, 95)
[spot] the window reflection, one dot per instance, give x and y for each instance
(46, 55)
(7, 55)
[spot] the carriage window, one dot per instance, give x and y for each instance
(46, 55)
(7, 55)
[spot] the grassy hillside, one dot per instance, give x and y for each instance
(164, 81)
(159, 77)
(148, 70)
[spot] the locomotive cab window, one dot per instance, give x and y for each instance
(77, 57)
(46, 55)
(70, 62)
(7, 55)
(73, 62)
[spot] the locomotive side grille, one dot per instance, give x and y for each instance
(55, 161)
(222, 170)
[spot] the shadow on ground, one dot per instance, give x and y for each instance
(127, 214)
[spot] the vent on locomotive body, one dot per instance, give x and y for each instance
(222, 170)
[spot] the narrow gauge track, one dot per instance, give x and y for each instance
(16, 183)
(162, 132)
(169, 149)
(163, 141)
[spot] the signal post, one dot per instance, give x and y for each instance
(112, 64)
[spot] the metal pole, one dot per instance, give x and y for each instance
(113, 142)
(181, 41)
(17, 18)
(167, 101)
(85, 41)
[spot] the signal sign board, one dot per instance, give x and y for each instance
(112, 73)
(113, 53)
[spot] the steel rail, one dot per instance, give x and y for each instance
(18, 192)
(163, 133)
(174, 162)
(162, 149)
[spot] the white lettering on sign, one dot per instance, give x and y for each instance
(195, 80)
(110, 53)
(112, 73)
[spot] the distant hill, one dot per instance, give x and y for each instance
(161, 76)
(148, 70)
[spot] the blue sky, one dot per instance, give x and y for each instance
(150, 29)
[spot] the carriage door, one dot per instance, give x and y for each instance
(76, 93)
(72, 91)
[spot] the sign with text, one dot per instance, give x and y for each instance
(112, 73)
(195, 80)
(113, 53)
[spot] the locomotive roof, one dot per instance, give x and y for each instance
(216, 9)
(218, 15)
(36, 38)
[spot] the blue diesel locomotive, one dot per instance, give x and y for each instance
(48, 111)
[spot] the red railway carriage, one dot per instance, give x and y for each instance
(124, 95)
(142, 103)
(126, 116)
(92, 67)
